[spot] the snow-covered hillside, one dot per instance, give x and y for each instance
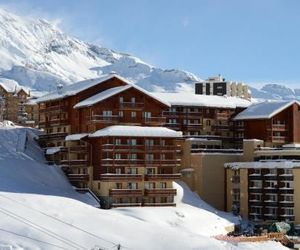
(37, 54)
(40, 210)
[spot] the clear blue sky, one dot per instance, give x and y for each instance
(250, 40)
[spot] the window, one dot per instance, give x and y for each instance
(117, 156)
(149, 157)
(118, 185)
(150, 170)
(207, 122)
(132, 185)
(131, 171)
(121, 99)
(107, 113)
(131, 142)
(132, 99)
(162, 185)
(147, 114)
(255, 184)
(132, 156)
(118, 141)
(118, 171)
(149, 185)
(133, 114)
(149, 143)
(162, 156)
(121, 114)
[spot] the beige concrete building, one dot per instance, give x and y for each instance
(266, 186)
(202, 168)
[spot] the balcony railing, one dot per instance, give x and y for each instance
(120, 177)
(278, 139)
(139, 148)
(53, 136)
(160, 191)
(78, 177)
(73, 163)
(112, 119)
(157, 177)
(80, 149)
(56, 108)
(162, 204)
(141, 162)
(222, 116)
(155, 120)
(278, 127)
(125, 192)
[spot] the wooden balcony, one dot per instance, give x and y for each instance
(113, 119)
(158, 121)
(221, 127)
(278, 127)
(158, 177)
(278, 139)
(126, 204)
(160, 191)
(131, 105)
(164, 204)
(60, 135)
(53, 109)
(139, 162)
(174, 126)
(74, 163)
(125, 192)
(78, 177)
(109, 177)
(222, 116)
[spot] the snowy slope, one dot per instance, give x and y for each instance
(37, 54)
(40, 210)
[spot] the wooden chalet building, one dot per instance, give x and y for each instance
(275, 122)
(12, 102)
(107, 135)
(206, 116)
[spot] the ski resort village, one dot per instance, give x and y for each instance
(99, 150)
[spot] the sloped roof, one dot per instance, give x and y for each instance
(111, 92)
(191, 99)
(76, 137)
(77, 87)
(136, 131)
(264, 110)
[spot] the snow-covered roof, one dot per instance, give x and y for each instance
(101, 96)
(52, 150)
(263, 164)
(191, 99)
(111, 92)
(77, 87)
(136, 131)
(264, 110)
(75, 137)
(11, 86)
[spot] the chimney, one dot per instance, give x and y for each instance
(59, 88)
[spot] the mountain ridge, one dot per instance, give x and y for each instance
(38, 55)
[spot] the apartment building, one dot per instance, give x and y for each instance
(274, 122)
(107, 135)
(217, 85)
(202, 168)
(264, 187)
(12, 102)
(201, 115)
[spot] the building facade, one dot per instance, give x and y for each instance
(274, 122)
(217, 85)
(12, 103)
(107, 135)
(265, 187)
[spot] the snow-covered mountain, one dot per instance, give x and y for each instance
(37, 54)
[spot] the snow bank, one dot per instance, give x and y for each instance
(40, 210)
